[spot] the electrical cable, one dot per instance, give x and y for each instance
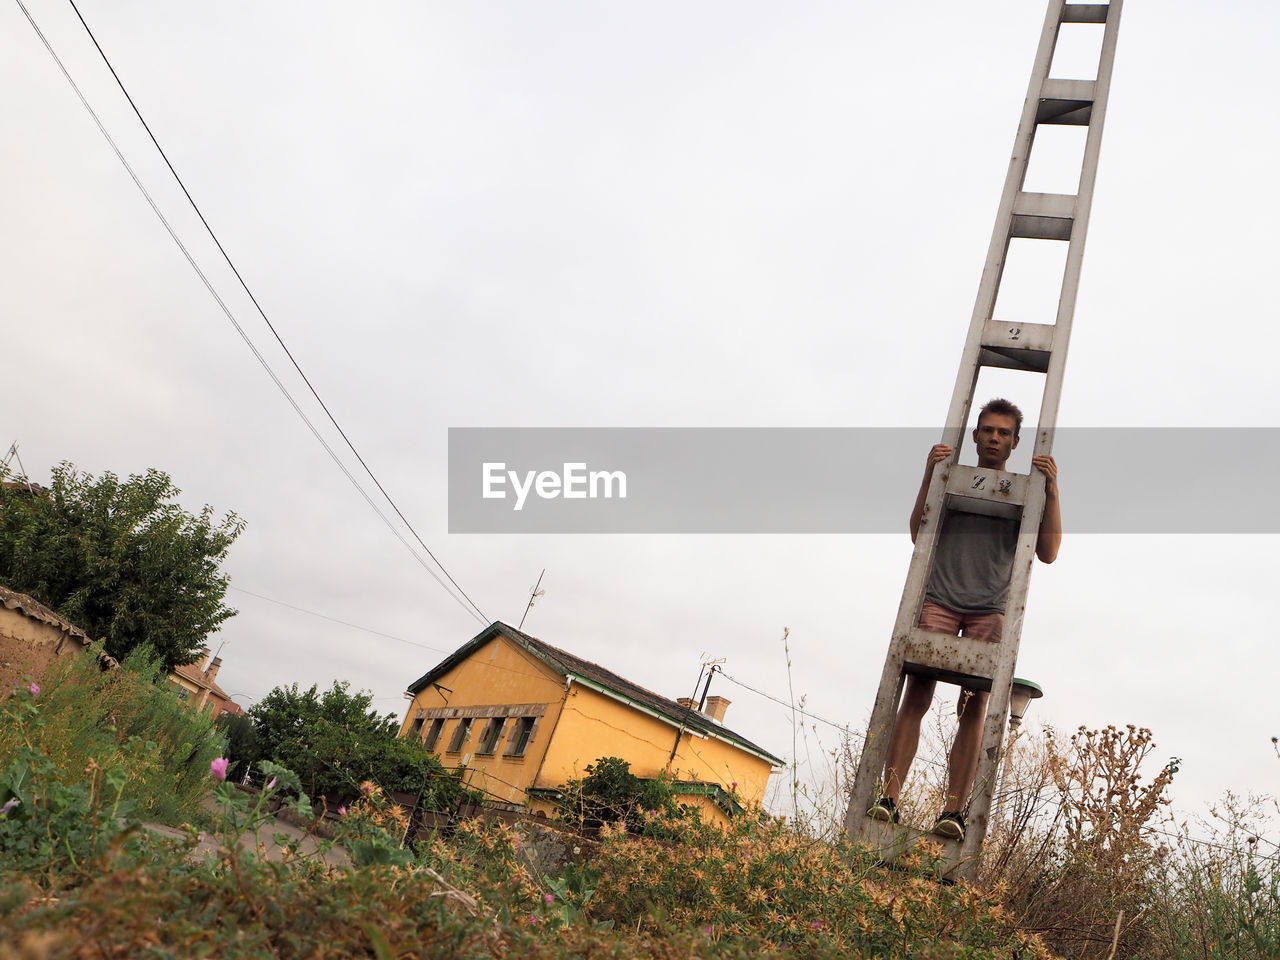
(262, 313)
(389, 636)
(478, 613)
(844, 727)
(345, 623)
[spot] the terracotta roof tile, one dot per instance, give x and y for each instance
(38, 611)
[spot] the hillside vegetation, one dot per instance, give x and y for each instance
(1080, 865)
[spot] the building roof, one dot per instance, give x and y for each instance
(192, 672)
(23, 485)
(36, 610)
(594, 675)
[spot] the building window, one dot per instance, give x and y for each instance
(520, 737)
(417, 728)
(492, 734)
(460, 735)
(433, 733)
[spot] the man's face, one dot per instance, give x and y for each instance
(995, 439)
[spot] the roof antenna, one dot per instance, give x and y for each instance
(22, 467)
(533, 595)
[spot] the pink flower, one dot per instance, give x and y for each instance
(342, 810)
(34, 688)
(8, 806)
(815, 925)
(271, 784)
(219, 768)
(548, 899)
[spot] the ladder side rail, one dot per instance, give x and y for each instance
(875, 747)
(993, 733)
(1075, 247)
(1033, 510)
(993, 268)
(1001, 684)
(1052, 343)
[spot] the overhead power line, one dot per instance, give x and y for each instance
(469, 604)
(844, 727)
(345, 623)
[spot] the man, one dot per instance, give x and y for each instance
(967, 590)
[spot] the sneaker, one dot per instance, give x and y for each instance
(950, 825)
(884, 809)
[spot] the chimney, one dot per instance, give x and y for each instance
(687, 702)
(715, 708)
(217, 662)
(204, 656)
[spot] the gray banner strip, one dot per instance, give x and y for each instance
(839, 480)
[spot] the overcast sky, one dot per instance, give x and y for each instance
(659, 214)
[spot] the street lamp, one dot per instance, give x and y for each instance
(1020, 697)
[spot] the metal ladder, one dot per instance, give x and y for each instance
(1040, 347)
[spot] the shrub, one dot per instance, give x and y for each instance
(759, 882)
(1094, 865)
(611, 793)
(335, 741)
(127, 720)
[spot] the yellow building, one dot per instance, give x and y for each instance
(195, 683)
(525, 717)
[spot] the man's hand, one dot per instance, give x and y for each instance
(1051, 521)
(1046, 465)
(939, 453)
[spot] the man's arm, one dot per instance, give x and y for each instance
(1050, 537)
(939, 453)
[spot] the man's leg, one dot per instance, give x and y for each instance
(915, 704)
(972, 711)
(906, 733)
(963, 765)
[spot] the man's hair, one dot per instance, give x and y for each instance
(1002, 406)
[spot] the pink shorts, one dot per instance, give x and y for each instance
(976, 626)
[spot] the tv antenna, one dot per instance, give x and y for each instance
(534, 594)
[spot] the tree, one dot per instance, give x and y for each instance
(335, 741)
(122, 560)
(242, 747)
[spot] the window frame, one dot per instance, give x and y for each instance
(461, 734)
(521, 736)
(431, 737)
(489, 740)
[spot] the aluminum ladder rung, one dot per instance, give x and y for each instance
(959, 660)
(1043, 216)
(1086, 12)
(1019, 346)
(1066, 102)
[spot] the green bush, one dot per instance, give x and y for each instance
(128, 720)
(335, 742)
(611, 793)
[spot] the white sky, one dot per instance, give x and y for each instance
(635, 214)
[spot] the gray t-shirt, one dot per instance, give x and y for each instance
(973, 563)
